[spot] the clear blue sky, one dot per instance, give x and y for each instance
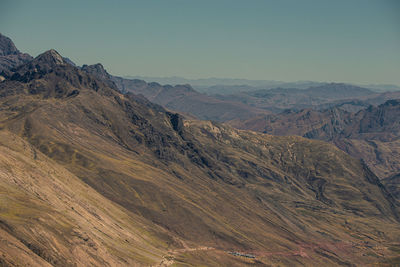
(289, 40)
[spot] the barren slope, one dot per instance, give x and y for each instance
(371, 134)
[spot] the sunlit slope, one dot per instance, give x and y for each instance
(62, 219)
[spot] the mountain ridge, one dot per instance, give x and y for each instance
(180, 98)
(232, 85)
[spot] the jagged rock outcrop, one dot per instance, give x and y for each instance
(98, 71)
(62, 79)
(7, 46)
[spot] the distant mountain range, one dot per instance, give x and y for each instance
(229, 86)
(350, 97)
(248, 104)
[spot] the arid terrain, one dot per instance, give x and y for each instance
(94, 176)
(371, 134)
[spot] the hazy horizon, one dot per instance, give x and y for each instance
(254, 80)
(342, 41)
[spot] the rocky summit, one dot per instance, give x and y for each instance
(10, 56)
(7, 46)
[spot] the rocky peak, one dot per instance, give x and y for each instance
(96, 70)
(10, 56)
(50, 57)
(38, 67)
(50, 75)
(7, 46)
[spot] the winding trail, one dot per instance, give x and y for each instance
(169, 258)
(303, 249)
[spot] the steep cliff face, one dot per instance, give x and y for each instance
(377, 123)
(143, 186)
